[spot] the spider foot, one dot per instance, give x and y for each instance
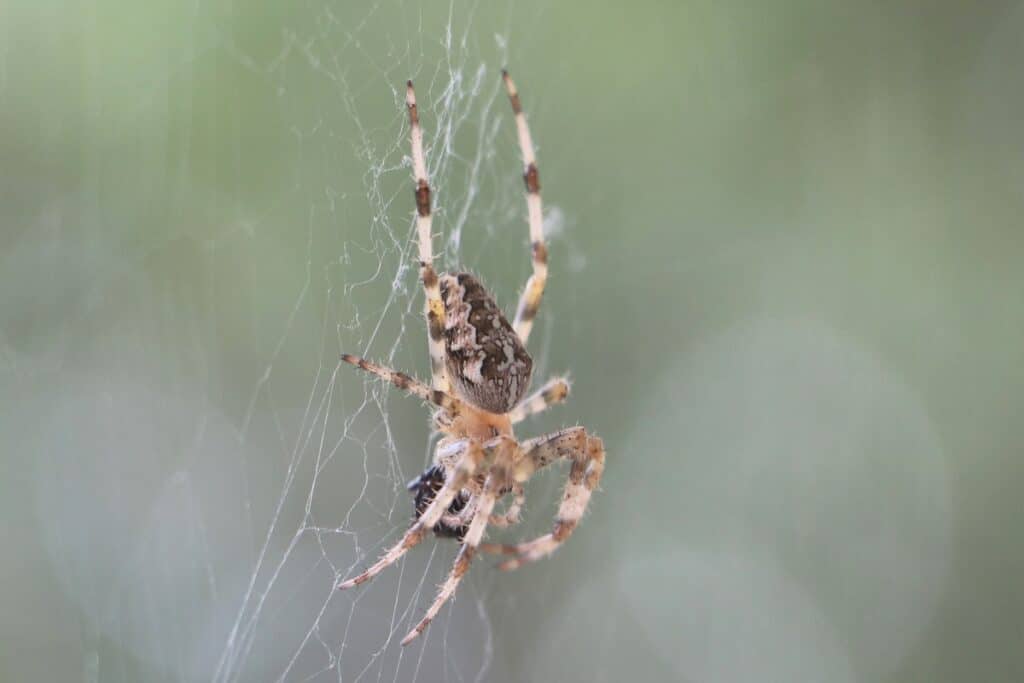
(413, 634)
(462, 562)
(414, 535)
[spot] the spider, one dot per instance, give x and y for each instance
(480, 372)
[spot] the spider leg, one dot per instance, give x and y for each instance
(587, 456)
(555, 391)
(467, 465)
(498, 477)
(459, 520)
(406, 383)
(529, 301)
(538, 453)
(434, 307)
(511, 515)
(504, 519)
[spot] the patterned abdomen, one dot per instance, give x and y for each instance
(486, 361)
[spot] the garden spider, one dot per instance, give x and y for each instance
(480, 371)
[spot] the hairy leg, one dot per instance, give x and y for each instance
(406, 383)
(553, 392)
(512, 514)
(529, 302)
(467, 465)
(497, 478)
(587, 455)
(434, 308)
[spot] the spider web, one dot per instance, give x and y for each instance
(379, 510)
(215, 201)
(343, 499)
(302, 482)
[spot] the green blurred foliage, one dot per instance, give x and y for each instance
(786, 280)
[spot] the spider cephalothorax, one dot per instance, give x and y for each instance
(480, 371)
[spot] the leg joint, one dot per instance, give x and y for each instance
(422, 197)
(540, 252)
(532, 178)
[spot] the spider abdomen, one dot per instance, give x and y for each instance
(486, 360)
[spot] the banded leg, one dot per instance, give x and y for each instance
(538, 453)
(468, 464)
(584, 477)
(406, 383)
(512, 514)
(497, 478)
(555, 391)
(509, 517)
(434, 307)
(529, 301)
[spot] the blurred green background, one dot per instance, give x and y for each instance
(786, 280)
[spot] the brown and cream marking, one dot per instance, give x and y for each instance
(480, 372)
